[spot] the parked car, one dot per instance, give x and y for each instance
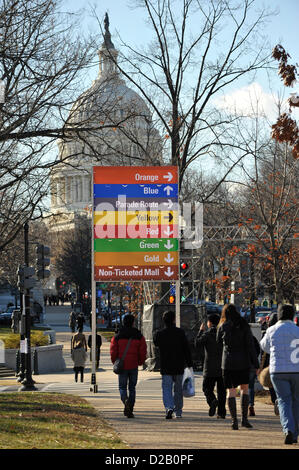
(296, 319)
(261, 317)
(211, 307)
(245, 313)
(116, 320)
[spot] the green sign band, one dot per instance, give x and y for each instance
(135, 244)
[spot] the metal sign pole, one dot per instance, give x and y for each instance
(93, 336)
(178, 282)
(178, 303)
(93, 307)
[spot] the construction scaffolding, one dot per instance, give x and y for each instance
(224, 234)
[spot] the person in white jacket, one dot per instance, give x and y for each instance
(281, 341)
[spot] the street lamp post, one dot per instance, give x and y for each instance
(28, 382)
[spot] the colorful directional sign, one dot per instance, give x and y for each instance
(135, 220)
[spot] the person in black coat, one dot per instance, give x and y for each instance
(175, 355)
(238, 356)
(98, 348)
(212, 374)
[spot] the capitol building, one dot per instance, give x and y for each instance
(110, 125)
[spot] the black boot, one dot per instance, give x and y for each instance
(127, 407)
(130, 412)
(232, 406)
(244, 408)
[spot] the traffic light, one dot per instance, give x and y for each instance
(171, 299)
(42, 262)
(25, 278)
(184, 269)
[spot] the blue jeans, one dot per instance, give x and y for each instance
(286, 387)
(172, 391)
(127, 381)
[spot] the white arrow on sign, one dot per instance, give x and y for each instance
(168, 245)
(169, 204)
(169, 272)
(167, 231)
(168, 259)
(168, 190)
(169, 176)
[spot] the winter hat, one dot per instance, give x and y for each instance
(169, 317)
(214, 319)
(285, 312)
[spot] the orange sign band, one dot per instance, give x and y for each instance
(135, 175)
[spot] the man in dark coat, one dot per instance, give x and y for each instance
(80, 321)
(212, 373)
(175, 355)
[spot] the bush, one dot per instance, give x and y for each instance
(12, 340)
(107, 334)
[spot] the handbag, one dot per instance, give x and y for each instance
(188, 383)
(264, 376)
(118, 366)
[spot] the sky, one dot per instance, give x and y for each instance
(282, 28)
(127, 21)
(241, 96)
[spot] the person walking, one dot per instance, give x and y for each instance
(72, 321)
(78, 353)
(252, 378)
(212, 374)
(98, 348)
(175, 355)
(80, 321)
(281, 341)
(135, 356)
(265, 360)
(237, 356)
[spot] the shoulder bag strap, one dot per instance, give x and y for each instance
(126, 350)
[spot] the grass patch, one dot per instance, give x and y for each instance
(33, 420)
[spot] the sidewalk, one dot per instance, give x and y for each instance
(150, 430)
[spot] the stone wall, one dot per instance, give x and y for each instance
(49, 358)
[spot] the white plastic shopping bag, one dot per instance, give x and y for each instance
(188, 383)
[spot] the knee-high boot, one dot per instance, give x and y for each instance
(232, 406)
(244, 408)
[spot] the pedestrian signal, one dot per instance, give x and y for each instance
(42, 262)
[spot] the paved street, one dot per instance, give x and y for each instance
(58, 318)
(149, 429)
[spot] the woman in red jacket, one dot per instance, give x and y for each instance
(135, 357)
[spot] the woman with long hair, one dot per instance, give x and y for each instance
(237, 357)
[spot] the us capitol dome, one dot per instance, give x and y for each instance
(95, 141)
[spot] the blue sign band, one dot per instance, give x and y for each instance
(135, 190)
